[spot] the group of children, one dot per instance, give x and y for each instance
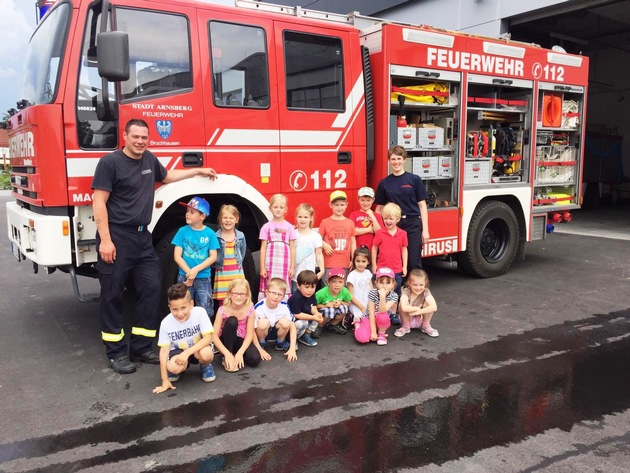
(362, 285)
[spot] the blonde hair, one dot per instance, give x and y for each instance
(279, 283)
(238, 282)
(227, 208)
(309, 209)
(391, 210)
(276, 197)
(420, 274)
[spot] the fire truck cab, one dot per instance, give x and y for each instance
(290, 100)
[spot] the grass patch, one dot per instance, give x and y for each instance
(5, 179)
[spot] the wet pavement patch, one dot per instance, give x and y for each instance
(492, 394)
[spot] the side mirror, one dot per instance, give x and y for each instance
(112, 54)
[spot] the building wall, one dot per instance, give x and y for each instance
(4, 148)
(608, 110)
(472, 16)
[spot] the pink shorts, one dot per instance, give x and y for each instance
(416, 322)
(362, 330)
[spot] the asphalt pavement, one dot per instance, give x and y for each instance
(496, 391)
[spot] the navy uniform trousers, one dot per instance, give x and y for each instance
(413, 227)
(137, 262)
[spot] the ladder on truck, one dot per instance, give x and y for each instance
(354, 18)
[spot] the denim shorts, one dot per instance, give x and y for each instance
(200, 292)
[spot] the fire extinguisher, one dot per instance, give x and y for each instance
(402, 120)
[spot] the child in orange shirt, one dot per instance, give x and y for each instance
(338, 235)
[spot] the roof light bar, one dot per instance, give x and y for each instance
(503, 50)
(564, 60)
(428, 37)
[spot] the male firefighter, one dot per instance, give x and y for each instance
(124, 184)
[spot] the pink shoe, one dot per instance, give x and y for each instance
(430, 331)
(402, 331)
(381, 339)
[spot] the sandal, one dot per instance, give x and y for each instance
(430, 331)
(226, 368)
(402, 331)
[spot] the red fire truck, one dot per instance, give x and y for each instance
(285, 99)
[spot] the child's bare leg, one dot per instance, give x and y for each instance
(337, 319)
(405, 319)
(426, 325)
(174, 368)
(283, 326)
(262, 329)
(205, 355)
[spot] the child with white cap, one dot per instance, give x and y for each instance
(366, 221)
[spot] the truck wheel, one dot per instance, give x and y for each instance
(492, 241)
(165, 250)
(252, 276)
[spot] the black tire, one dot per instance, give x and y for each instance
(165, 251)
(492, 242)
(252, 276)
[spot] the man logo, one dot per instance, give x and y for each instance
(164, 128)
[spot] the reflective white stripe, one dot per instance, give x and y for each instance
(271, 150)
(248, 137)
(309, 138)
(98, 154)
(213, 135)
(353, 101)
(80, 167)
(85, 167)
(245, 137)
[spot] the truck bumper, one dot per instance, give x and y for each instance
(52, 249)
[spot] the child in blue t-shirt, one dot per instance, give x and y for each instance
(195, 250)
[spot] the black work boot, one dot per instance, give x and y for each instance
(148, 356)
(122, 365)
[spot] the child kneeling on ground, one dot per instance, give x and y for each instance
(303, 306)
(333, 301)
(185, 337)
(417, 305)
(375, 322)
(273, 313)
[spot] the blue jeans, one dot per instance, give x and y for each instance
(201, 293)
(399, 282)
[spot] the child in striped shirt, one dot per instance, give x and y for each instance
(232, 248)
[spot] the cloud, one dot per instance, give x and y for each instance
(16, 32)
(7, 72)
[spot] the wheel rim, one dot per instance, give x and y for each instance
(495, 239)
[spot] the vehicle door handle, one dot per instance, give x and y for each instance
(344, 157)
(190, 159)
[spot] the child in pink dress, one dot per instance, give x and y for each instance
(277, 248)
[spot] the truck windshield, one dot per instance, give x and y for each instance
(44, 55)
